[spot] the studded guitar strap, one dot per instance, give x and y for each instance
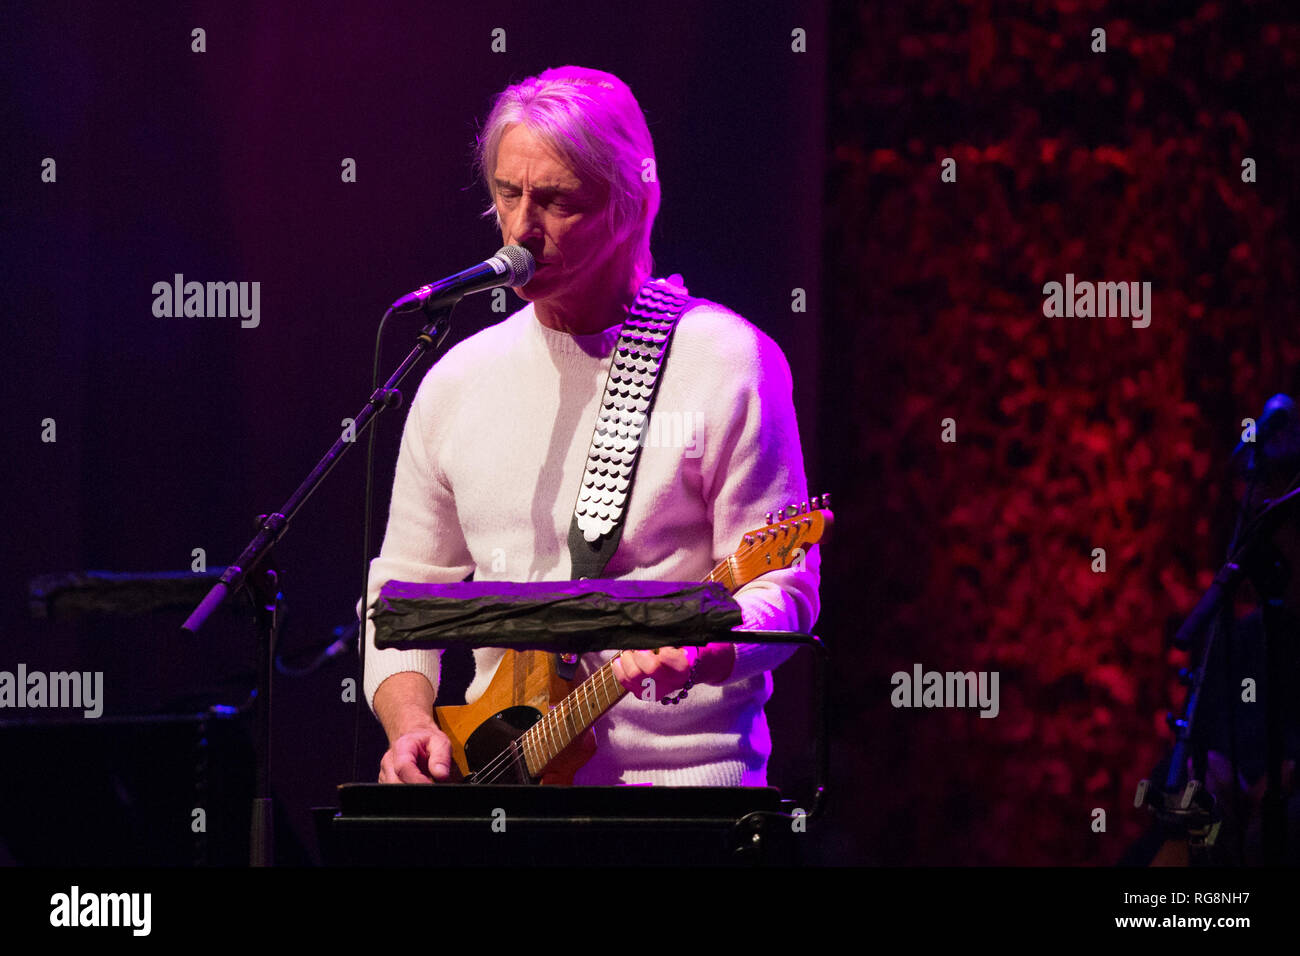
(625, 408)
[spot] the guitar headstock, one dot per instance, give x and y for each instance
(786, 537)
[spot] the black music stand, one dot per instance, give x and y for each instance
(495, 825)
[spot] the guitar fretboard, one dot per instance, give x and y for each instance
(565, 722)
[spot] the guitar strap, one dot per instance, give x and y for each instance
(634, 374)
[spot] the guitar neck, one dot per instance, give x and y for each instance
(571, 717)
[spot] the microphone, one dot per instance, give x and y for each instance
(1276, 439)
(512, 266)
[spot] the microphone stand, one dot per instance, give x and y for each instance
(1184, 809)
(264, 587)
(1254, 558)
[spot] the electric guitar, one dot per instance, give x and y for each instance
(513, 734)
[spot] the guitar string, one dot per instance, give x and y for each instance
(503, 759)
(560, 712)
(494, 768)
(497, 765)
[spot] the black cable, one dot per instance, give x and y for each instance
(344, 636)
(365, 554)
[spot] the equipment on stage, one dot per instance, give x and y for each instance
(1186, 812)
(529, 724)
(411, 825)
(157, 790)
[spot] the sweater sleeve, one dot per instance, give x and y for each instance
(752, 464)
(423, 542)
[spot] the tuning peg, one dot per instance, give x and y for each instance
(780, 515)
(767, 518)
(816, 502)
(803, 508)
(826, 499)
(749, 539)
(792, 509)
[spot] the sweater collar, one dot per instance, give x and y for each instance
(595, 345)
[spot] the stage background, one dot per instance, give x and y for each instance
(780, 171)
(1071, 433)
(171, 433)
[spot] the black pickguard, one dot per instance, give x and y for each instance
(490, 751)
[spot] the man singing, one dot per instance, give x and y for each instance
(496, 440)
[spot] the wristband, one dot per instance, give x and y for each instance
(680, 696)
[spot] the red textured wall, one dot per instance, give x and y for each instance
(1072, 433)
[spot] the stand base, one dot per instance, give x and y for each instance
(412, 825)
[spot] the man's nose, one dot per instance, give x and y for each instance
(527, 223)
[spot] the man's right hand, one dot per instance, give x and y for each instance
(422, 755)
(418, 752)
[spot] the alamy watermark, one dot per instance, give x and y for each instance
(75, 908)
(923, 688)
(82, 690)
(1086, 300)
(213, 300)
(661, 429)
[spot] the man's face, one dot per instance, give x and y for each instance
(547, 209)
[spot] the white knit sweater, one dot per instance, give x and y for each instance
(488, 472)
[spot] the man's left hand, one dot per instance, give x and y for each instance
(670, 667)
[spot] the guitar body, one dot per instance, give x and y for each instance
(523, 689)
